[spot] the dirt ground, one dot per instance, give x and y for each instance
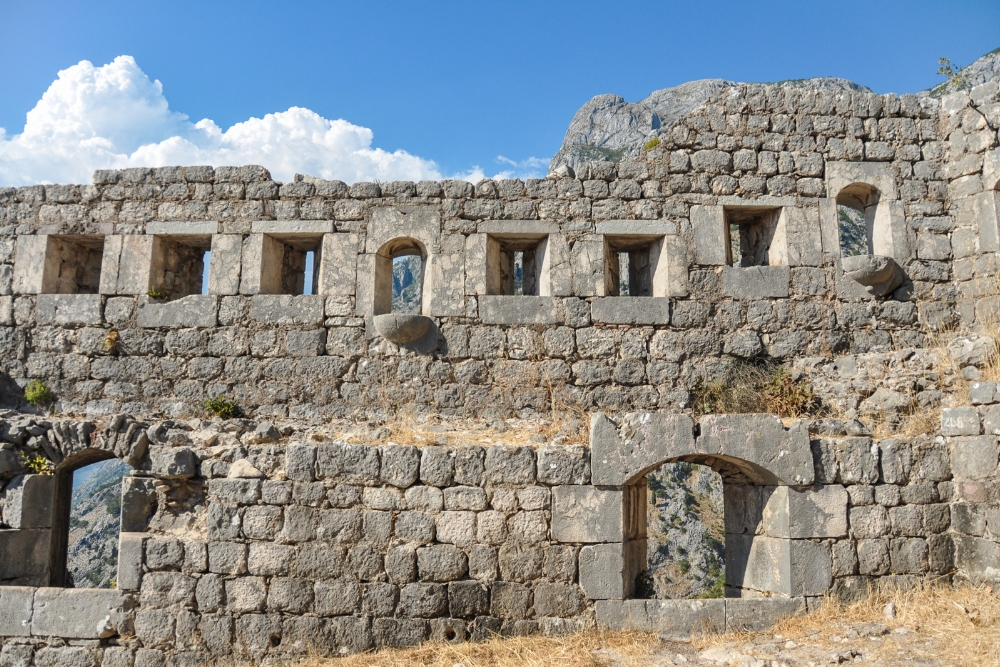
(929, 625)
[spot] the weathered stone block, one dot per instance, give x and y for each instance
(809, 512)
(519, 309)
(760, 614)
(15, 610)
(974, 457)
(959, 421)
(68, 309)
(587, 514)
(638, 443)
(563, 464)
(80, 613)
(510, 465)
(756, 282)
(287, 310)
(27, 501)
(196, 310)
(631, 310)
(775, 455)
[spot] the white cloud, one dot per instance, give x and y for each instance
(114, 116)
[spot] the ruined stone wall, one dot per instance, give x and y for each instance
(240, 541)
(236, 543)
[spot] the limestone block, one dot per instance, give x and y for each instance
(631, 310)
(419, 222)
(287, 310)
(71, 309)
(587, 514)
(35, 269)
(293, 227)
(556, 274)
(109, 264)
(444, 285)
(675, 620)
(608, 571)
(510, 465)
(676, 252)
(261, 264)
(797, 239)
(622, 451)
(225, 264)
(135, 265)
(196, 310)
(986, 212)
(974, 457)
(755, 282)
(890, 237)
(130, 557)
(829, 223)
(790, 568)
(80, 613)
(27, 501)
(710, 245)
(339, 264)
(504, 309)
(760, 614)
(880, 175)
(959, 421)
(468, 599)
(818, 511)
(183, 228)
(563, 464)
(475, 261)
(587, 257)
(776, 455)
(15, 610)
(173, 462)
(976, 557)
(138, 503)
(983, 393)
(24, 554)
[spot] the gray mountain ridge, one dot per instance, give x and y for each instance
(609, 128)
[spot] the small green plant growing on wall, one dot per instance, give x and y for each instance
(220, 406)
(38, 394)
(37, 464)
(110, 343)
(157, 293)
(952, 72)
(651, 144)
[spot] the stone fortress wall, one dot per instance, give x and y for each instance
(234, 543)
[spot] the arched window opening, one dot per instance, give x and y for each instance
(685, 534)
(94, 524)
(407, 283)
(856, 208)
(399, 277)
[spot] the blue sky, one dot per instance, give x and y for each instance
(454, 85)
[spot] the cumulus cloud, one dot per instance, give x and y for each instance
(114, 116)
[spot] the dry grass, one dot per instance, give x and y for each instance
(954, 625)
(572, 651)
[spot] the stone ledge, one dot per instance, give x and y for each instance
(681, 620)
(504, 309)
(756, 282)
(197, 310)
(79, 613)
(631, 310)
(292, 227)
(182, 228)
(71, 309)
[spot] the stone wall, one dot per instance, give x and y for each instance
(239, 539)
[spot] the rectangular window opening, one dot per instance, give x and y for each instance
(515, 265)
(73, 265)
(749, 234)
(632, 266)
(181, 265)
(290, 264)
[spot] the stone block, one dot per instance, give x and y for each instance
(15, 610)
(68, 309)
(775, 454)
(791, 568)
(80, 613)
(760, 614)
(631, 310)
(563, 464)
(710, 237)
(510, 465)
(587, 514)
(338, 264)
(196, 310)
(983, 393)
(400, 465)
(300, 462)
(354, 464)
(287, 309)
(24, 554)
(172, 462)
(974, 457)
(558, 600)
(444, 286)
(336, 597)
(399, 632)
(27, 501)
(134, 264)
(959, 421)
(225, 264)
(756, 282)
(130, 558)
(623, 450)
(608, 571)
(468, 599)
(34, 266)
(423, 600)
(441, 563)
(807, 512)
(138, 503)
(505, 309)
(183, 228)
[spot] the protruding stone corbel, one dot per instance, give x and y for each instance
(879, 275)
(402, 328)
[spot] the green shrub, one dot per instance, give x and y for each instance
(38, 394)
(220, 406)
(157, 293)
(36, 465)
(651, 144)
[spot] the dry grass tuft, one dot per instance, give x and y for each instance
(750, 387)
(953, 625)
(632, 648)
